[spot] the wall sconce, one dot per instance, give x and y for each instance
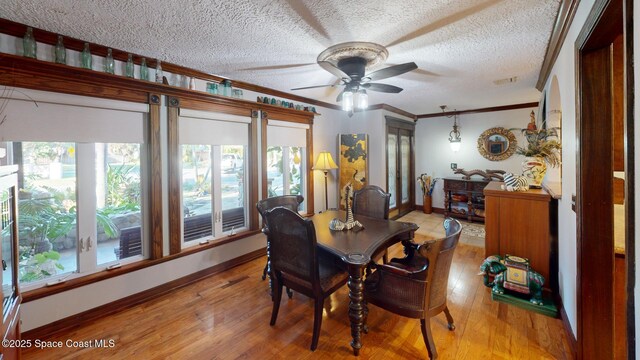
(454, 135)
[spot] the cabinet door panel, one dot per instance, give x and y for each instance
(524, 230)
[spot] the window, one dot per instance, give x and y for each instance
(81, 178)
(286, 171)
(213, 151)
(286, 159)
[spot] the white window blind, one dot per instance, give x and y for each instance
(204, 127)
(61, 117)
(283, 133)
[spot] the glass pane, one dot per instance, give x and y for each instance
(6, 224)
(47, 211)
(392, 145)
(118, 190)
(296, 174)
(233, 190)
(405, 154)
(275, 170)
(196, 191)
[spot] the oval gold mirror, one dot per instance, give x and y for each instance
(497, 144)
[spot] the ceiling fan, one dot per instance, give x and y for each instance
(352, 60)
(351, 72)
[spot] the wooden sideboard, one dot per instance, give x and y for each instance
(464, 198)
(522, 224)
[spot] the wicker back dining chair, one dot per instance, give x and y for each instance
(373, 202)
(298, 263)
(416, 286)
(291, 202)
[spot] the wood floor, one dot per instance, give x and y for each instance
(227, 317)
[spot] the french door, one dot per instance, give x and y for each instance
(400, 166)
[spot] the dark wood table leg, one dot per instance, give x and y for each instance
(356, 305)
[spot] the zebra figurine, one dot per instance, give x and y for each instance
(351, 223)
(515, 183)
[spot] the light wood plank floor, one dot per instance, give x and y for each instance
(227, 316)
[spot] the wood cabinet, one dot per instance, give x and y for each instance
(464, 199)
(9, 253)
(519, 223)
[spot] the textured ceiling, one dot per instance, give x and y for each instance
(460, 46)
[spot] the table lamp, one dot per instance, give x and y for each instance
(324, 164)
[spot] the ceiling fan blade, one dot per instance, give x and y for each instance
(339, 98)
(382, 88)
(333, 69)
(392, 71)
(313, 87)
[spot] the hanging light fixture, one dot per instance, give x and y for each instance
(454, 135)
(347, 100)
(362, 99)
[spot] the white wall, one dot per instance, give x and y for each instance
(434, 155)
(564, 71)
(326, 127)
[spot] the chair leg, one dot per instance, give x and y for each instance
(451, 325)
(425, 324)
(385, 257)
(317, 322)
(264, 272)
(277, 296)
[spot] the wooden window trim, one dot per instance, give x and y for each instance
(45, 76)
(175, 206)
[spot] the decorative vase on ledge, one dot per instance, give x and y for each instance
(534, 169)
(426, 204)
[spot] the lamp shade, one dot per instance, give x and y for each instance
(455, 145)
(347, 100)
(325, 162)
(361, 99)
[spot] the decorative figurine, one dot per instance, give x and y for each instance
(532, 122)
(515, 183)
(512, 273)
(349, 223)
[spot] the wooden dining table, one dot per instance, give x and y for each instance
(356, 248)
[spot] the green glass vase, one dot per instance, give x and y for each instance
(61, 52)
(29, 44)
(87, 60)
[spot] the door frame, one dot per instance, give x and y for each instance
(595, 254)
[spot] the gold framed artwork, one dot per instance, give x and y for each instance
(353, 162)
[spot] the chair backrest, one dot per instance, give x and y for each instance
(371, 201)
(440, 255)
(292, 247)
(290, 202)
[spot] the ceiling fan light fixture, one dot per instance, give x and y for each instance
(347, 100)
(362, 99)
